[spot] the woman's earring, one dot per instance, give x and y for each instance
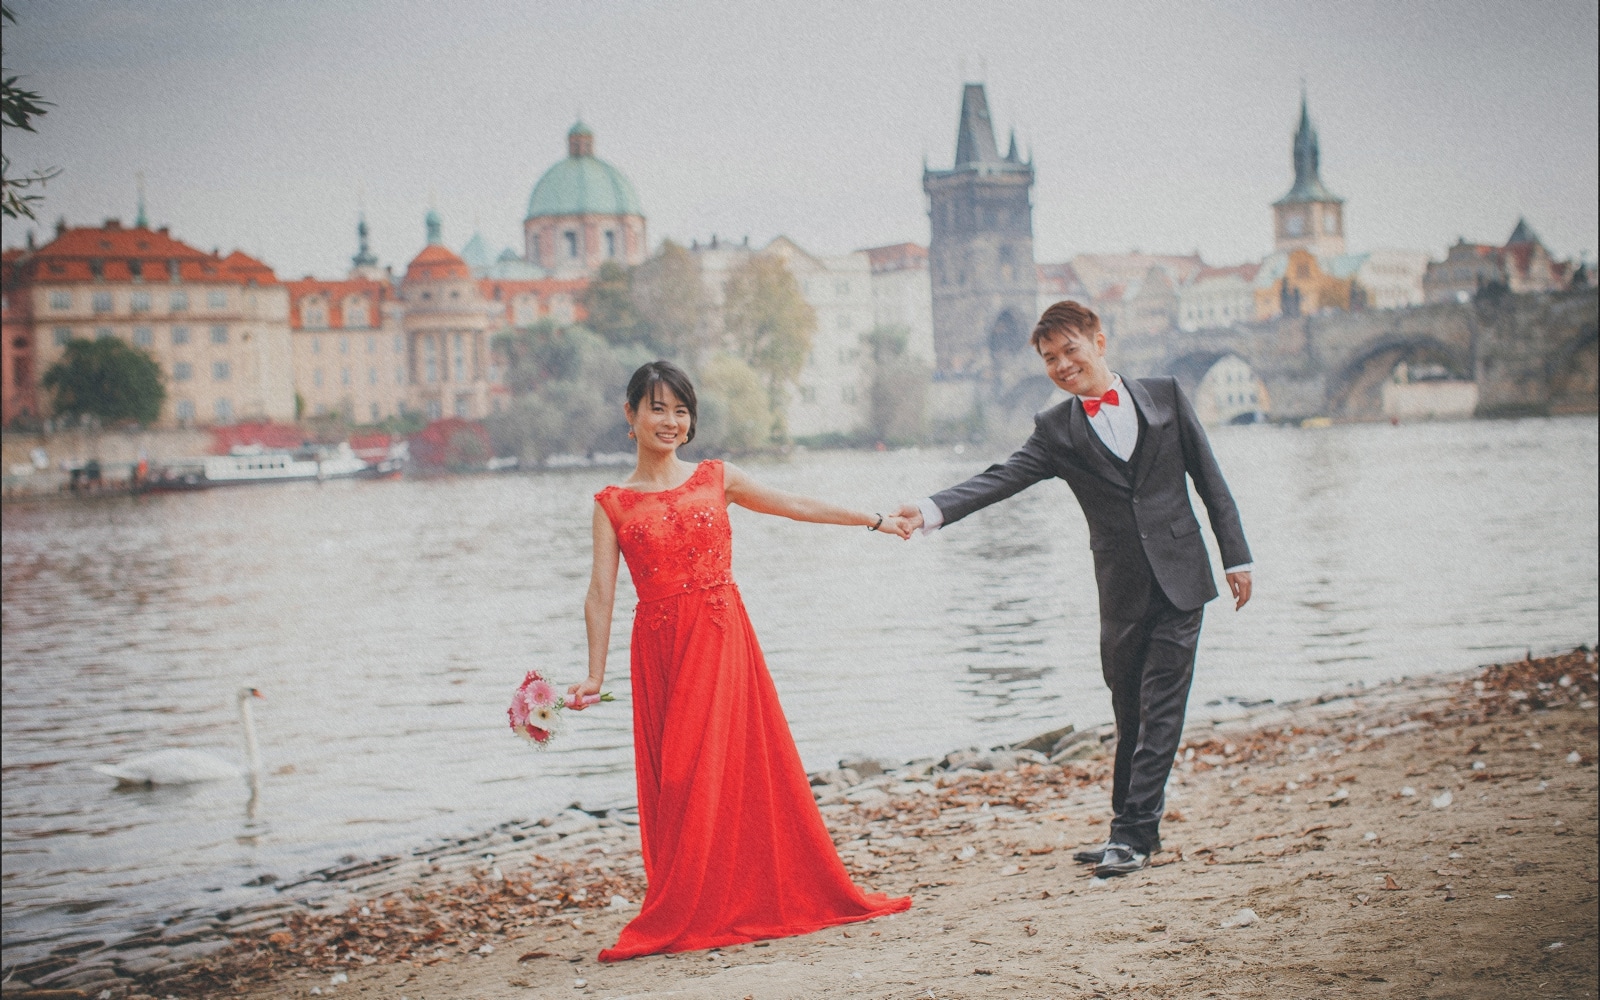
(630, 434)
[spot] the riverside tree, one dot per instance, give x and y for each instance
(899, 392)
(566, 386)
(669, 300)
(770, 325)
(609, 303)
(108, 380)
(18, 108)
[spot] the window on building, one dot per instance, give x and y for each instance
(372, 345)
(102, 302)
(61, 335)
(173, 272)
(316, 378)
(355, 313)
(372, 376)
(399, 375)
(97, 269)
(313, 314)
(611, 243)
(217, 298)
(535, 250)
(399, 343)
(463, 403)
(60, 300)
(136, 270)
(220, 371)
(461, 361)
(182, 371)
(373, 409)
(139, 302)
(219, 335)
(178, 302)
(572, 243)
(144, 336)
(435, 411)
(184, 411)
(316, 345)
(1330, 223)
(344, 345)
(430, 357)
(344, 376)
(180, 336)
(224, 411)
(103, 333)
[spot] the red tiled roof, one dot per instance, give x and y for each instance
(504, 293)
(247, 270)
(1247, 272)
(336, 293)
(897, 257)
(436, 263)
(71, 257)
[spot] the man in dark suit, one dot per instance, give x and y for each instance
(1124, 448)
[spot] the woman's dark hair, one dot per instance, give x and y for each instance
(659, 373)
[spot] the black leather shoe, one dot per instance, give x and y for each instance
(1091, 855)
(1120, 859)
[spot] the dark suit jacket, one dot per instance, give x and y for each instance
(1135, 529)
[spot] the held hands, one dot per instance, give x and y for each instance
(588, 687)
(1239, 583)
(911, 515)
(895, 524)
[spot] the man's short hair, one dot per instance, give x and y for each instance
(1068, 317)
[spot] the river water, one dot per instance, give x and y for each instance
(388, 622)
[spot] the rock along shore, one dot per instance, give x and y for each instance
(1433, 833)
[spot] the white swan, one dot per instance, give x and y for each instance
(189, 767)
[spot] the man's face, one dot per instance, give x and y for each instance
(1076, 362)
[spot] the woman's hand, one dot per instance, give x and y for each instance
(588, 687)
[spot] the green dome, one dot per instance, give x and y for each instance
(580, 185)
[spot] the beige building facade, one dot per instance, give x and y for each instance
(217, 326)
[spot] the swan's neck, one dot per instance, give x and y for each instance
(254, 752)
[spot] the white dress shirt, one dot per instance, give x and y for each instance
(1117, 427)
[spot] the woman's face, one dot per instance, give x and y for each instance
(662, 421)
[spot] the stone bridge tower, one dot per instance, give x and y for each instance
(1309, 217)
(980, 254)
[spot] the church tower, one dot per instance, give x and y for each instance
(980, 252)
(1309, 217)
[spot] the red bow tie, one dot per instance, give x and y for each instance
(1092, 404)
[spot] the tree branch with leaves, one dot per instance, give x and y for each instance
(18, 109)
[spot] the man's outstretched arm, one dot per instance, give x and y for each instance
(1026, 466)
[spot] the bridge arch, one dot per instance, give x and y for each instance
(1221, 383)
(1574, 373)
(1356, 390)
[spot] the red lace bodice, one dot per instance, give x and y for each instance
(677, 540)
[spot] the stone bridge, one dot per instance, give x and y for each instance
(1528, 354)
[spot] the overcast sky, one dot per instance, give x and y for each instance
(1163, 127)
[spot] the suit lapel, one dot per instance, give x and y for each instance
(1083, 442)
(1156, 423)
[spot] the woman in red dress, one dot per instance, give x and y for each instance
(734, 847)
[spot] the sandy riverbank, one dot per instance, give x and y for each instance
(1434, 837)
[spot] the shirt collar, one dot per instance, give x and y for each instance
(1116, 383)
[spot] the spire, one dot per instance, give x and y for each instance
(435, 227)
(140, 220)
(1011, 154)
(364, 256)
(1306, 153)
(1308, 186)
(975, 137)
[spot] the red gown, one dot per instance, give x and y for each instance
(734, 847)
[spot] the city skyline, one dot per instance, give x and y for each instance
(264, 128)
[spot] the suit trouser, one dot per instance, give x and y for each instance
(1148, 665)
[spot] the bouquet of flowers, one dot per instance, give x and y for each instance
(535, 711)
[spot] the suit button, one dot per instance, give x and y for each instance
(1143, 535)
(1135, 499)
